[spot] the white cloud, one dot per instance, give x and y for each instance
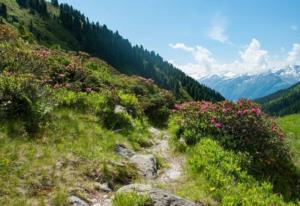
(252, 59)
(294, 27)
(181, 46)
(294, 55)
(217, 33)
(217, 30)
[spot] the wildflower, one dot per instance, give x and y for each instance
(56, 86)
(68, 85)
(178, 106)
(239, 112)
(245, 111)
(88, 89)
(226, 110)
(218, 125)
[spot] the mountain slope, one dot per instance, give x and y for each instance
(63, 26)
(253, 86)
(283, 102)
(73, 129)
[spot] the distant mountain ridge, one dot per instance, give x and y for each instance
(253, 86)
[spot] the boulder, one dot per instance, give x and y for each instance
(103, 187)
(124, 152)
(158, 196)
(146, 165)
(76, 201)
(154, 132)
(120, 109)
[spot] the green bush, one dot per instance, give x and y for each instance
(23, 100)
(81, 100)
(131, 102)
(226, 180)
(132, 199)
(157, 107)
(242, 127)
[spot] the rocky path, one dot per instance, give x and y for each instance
(173, 171)
(167, 177)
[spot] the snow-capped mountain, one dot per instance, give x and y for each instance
(253, 86)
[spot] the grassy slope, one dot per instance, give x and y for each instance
(283, 102)
(49, 30)
(75, 151)
(291, 126)
(47, 170)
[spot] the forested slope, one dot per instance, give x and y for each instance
(63, 26)
(283, 102)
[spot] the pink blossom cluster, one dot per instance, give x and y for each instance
(42, 53)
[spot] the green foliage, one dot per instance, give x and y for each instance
(131, 102)
(242, 127)
(221, 173)
(283, 102)
(290, 125)
(3, 10)
(132, 199)
(80, 100)
(75, 152)
(23, 100)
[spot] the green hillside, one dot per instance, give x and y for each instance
(290, 125)
(62, 114)
(75, 130)
(283, 102)
(63, 26)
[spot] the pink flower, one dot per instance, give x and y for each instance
(218, 125)
(56, 86)
(88, 89)
(226, 110)
(213, 121)
(257, 111)
(68, 85)
(245, 111)
(239, 112)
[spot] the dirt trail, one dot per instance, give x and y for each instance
(169, 176)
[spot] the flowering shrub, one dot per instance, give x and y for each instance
(242, 127)
(22, 100)
(243, 123)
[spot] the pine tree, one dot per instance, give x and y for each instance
(42, 8)
(3, 10)
(22, 3)
(55, 3)
(31, 26)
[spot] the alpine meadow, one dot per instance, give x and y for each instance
(88, 118)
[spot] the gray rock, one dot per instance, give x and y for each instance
(146, 165)
(120, 109)
(124, 152)
(103, 187)
(76, 201)
(159, 197)
(154, 132)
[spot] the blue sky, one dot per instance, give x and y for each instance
(207, 36)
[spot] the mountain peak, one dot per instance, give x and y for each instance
(253, 86)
